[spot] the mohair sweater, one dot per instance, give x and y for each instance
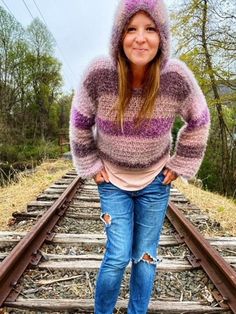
(179, 95)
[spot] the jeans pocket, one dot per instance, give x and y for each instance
(161, 177)
(98, 184)
(103, 184)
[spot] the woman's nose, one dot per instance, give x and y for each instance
(140, 37)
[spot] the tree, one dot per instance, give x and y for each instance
(30, 82)
(45, 75)
(205, 30)
(11, 46)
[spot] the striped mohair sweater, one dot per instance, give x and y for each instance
(179, 94)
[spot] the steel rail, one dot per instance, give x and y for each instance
(219, 271)
(26, 251)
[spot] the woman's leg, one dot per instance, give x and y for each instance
(117, 215)
(149, 213)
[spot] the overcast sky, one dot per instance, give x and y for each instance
(81, 28)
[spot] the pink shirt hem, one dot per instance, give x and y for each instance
(133, 180)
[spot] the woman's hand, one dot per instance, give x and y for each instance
(101, 177)
(169, 176)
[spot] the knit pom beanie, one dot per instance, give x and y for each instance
(156, 9)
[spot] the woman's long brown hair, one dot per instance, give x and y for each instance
(151, 85)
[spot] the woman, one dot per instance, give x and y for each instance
(133, 99)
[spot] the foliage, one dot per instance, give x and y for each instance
(33, 109)
(30, 151)
(205, 35)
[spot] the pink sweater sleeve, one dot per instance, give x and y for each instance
(192, 137)
(82, 120)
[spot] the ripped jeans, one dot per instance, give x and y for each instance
(133, 221)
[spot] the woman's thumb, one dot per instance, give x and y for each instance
(105, 175)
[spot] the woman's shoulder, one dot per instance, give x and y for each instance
(179, 69)
(100, 76)
(179, 76)
(99, 64)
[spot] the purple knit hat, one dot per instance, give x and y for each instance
(156, 9)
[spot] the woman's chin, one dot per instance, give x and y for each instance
(140, 63)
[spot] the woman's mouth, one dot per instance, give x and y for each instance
(140, 49)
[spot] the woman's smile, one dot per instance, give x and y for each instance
(140, 49)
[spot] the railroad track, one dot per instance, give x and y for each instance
(59, 264)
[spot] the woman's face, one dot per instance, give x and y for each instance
(141, 40)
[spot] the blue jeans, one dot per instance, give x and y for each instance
(133, 228)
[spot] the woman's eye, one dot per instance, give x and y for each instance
(151, 29)
(130, 29)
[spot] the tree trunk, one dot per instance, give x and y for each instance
(225, 156)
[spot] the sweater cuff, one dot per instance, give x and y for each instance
(90, 172)
(186, 169)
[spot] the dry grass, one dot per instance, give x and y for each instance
(218, 207)
(16, 196)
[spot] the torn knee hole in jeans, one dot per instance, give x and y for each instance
(146, 257)
(106, 218)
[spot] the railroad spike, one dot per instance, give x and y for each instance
(13, 284)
